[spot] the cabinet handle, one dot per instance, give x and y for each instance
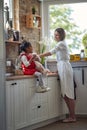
(39, 106)
(58, 78)
(14, 84)
(83, 76)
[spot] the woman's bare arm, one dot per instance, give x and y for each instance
(45, 54)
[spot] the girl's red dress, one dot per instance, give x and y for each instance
(31, 69)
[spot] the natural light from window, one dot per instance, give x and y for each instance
(80, 14)
(71, 17)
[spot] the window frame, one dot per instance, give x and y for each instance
(10, 4)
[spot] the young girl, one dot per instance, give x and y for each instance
(65, 72)
(29, 66)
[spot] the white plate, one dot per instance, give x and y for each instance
(8, 74)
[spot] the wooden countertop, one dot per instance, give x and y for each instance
(15, 77)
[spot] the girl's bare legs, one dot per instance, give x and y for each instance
(41, 87)
(71, 107)
(40, 68)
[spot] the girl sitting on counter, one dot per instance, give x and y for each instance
(31, 66)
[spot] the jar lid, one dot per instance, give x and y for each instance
(82, 50)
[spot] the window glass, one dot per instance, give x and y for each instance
(8, 19)
(9, 4)
(71, 17)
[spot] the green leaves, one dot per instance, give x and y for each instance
(43, 47)
(61, 16)
(43, 60)
(42, 51)
(84, 40)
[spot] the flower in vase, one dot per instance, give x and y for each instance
(84, 42)
(44, 46)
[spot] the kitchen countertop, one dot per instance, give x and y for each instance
(76, 64)
(15, 77)
(73, 63)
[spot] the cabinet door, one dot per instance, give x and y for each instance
(53, 97)
(21, 101)
(81, 102)
(85, 76)
(17, 104)
(78, 76)
(38, 106)
(10, 119)
(81, 90)
(57, 106)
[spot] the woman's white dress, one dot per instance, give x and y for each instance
(65, 70)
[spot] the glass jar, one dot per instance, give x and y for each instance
(82, 54)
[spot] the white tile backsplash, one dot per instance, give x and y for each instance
(52, 66)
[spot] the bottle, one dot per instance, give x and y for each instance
(15, 35)
(8, 30)
(82, 54)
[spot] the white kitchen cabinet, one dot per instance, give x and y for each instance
(38, 106)
(17, 104)
(85, 76)
(80, 75)
(25, 107)
(10, 105)
(21, 101)
(57, 107)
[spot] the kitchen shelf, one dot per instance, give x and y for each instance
(33, 21)
(13, 42)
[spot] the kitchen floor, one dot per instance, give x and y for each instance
(80, 124)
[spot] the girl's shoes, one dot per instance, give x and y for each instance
(42, 89)
(46, 88)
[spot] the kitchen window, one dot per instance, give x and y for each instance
(9, 4)
(70, 17)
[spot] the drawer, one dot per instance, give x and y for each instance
(38, 113)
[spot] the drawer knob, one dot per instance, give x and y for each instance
(39, 106)
(14, 84)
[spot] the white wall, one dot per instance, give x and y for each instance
(2, 71)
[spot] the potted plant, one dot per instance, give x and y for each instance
(84, 42)
(44, 46)
(33, 10)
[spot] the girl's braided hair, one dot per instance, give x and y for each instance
(24, 45)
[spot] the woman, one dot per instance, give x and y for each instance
(65, 72)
